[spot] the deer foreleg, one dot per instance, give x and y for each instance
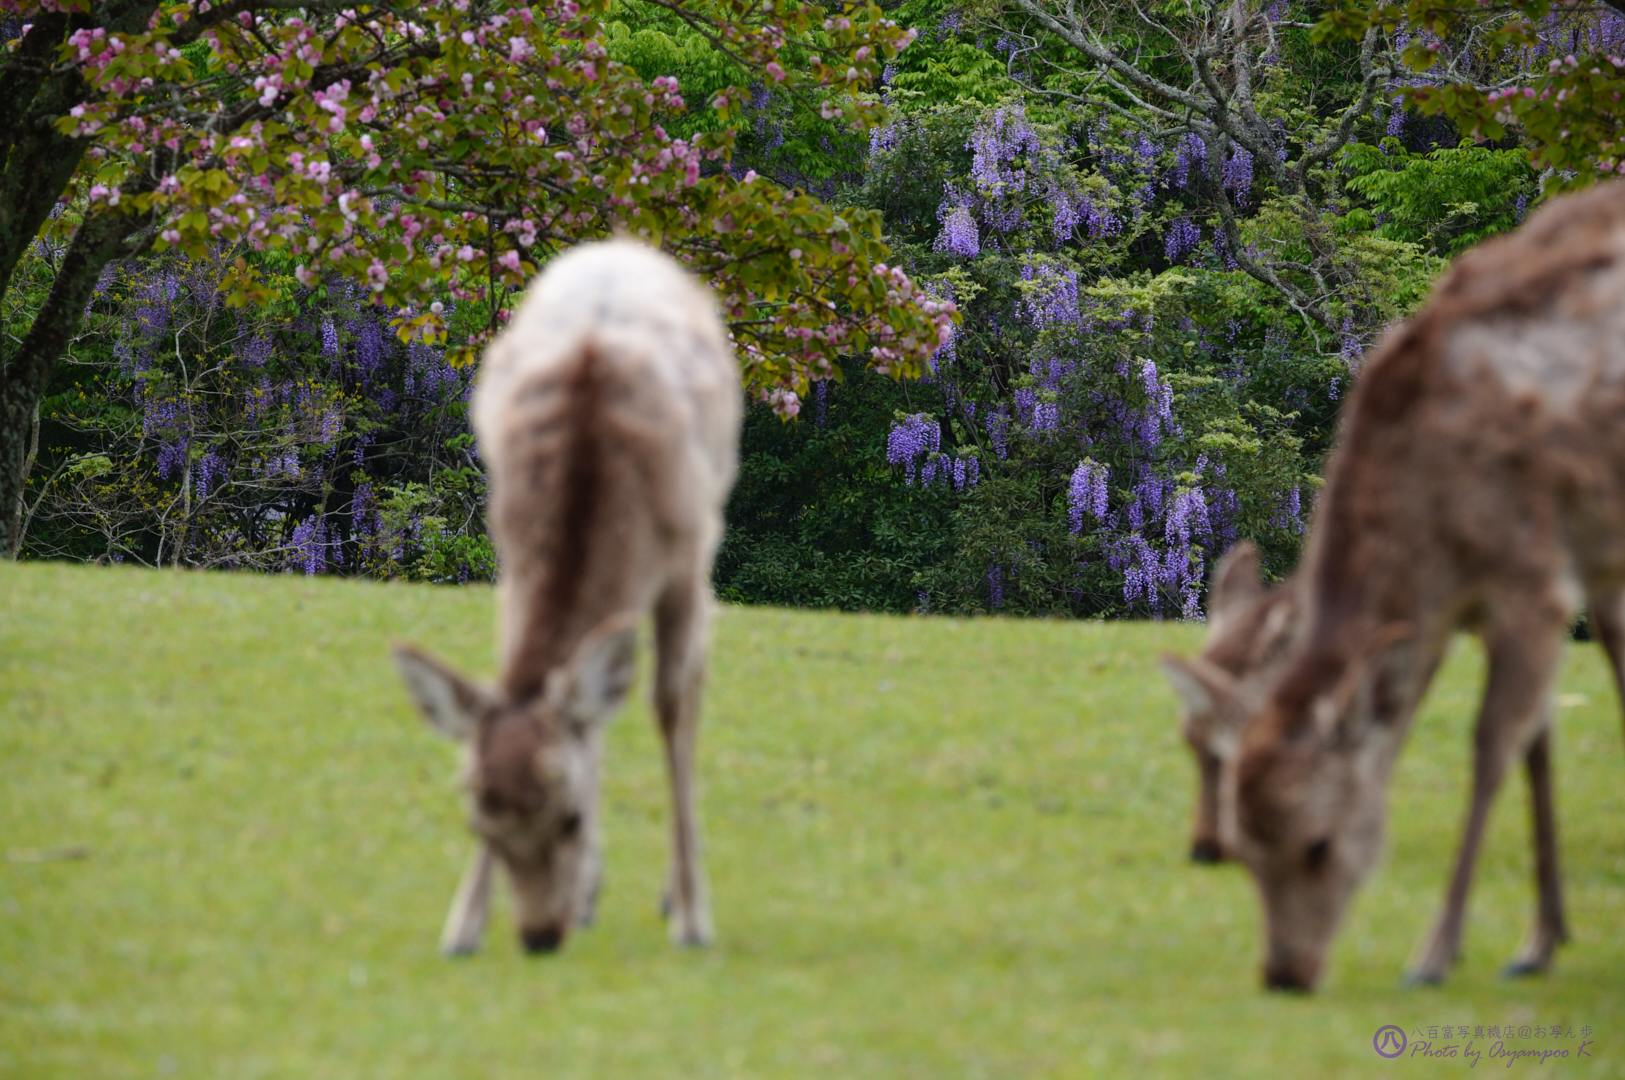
(1521, 666)
(1205, 834)
(1551, 929)
(680, 641)
(465, 922)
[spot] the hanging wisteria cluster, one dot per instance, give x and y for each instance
(915, 443)
(1086, 493)
(1139, 500)
(313, 442)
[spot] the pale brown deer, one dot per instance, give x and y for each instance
(1478, 482)
(608, 418)
(1250, 630)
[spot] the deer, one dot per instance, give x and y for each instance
(607, 415)
(1250, 629)
(1477, 483)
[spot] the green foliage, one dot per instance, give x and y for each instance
(1446, 200)
(819, 519)
(424, 531)
(1556, 75)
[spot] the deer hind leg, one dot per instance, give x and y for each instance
(465, 922)
(681, 631)
(1551, 928)
(1522, 662)
(1608, 619)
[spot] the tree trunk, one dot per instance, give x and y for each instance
(20, 520)
(16, 409)
(36, 164)
(25, 373)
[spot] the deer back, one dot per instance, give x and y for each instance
(607, 416)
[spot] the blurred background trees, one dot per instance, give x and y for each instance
(1170, 234)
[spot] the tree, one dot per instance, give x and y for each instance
(1551, 74)
(1205, 71)
(432, 151)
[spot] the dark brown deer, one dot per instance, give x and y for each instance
(1250, 631)
(608, 419)
(1478, 482)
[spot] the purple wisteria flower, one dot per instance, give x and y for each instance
(1289, 515)
(256, 351)
(370, 346)
(1396, 119)
(1086, 493)
(1051, 298)
(1351, 349)
(171, 456)
(161, 416)
(208, 472)
(1183, 237)
(912, 438)
(1190, 156)
(308, 546)
(1158, 415)
(1046, 416)
(285, 464)
(996, 144)
(959, 234)
(998, 426)
(885, 138)
(1237, 174)
(428, 374)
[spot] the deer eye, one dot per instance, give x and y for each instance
(1315, 857)
(571, 826)
(491, 803)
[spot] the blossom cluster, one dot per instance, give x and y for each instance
(435, 151)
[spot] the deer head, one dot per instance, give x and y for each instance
(1250, 630)
(532, 772)
(1304, 799)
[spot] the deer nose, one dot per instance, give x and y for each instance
(1292, 978)
(541, 939)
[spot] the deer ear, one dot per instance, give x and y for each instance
(1237, 580)
(1210, 693)
(597, 677)
(450, 703)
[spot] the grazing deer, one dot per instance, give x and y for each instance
(608, 418)
(1478, 482)
(1250, 629)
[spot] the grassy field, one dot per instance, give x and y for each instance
(938, 848)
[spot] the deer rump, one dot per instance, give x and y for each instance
(607, 416)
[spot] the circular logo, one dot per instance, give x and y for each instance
(1389, 1041)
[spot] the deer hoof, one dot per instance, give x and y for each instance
(1424, 978)
(1206, 851)
(692, 939)
(1522, 969)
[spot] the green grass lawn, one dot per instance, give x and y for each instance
(938, 848)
